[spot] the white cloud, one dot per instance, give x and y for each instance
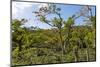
(19, 7)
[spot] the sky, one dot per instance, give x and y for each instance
(22, 10)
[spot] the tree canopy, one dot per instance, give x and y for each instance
(64, 42)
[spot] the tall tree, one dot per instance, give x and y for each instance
(56, 22)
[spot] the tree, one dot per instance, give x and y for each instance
(17, 32)
(55, 22)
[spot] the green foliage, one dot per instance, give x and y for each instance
(69, 22)
(56, 22)
(65, 42)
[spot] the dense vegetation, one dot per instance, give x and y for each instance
(64, 42)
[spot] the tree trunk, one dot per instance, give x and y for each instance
(87, 54)
(61, 41)
(75, 54)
